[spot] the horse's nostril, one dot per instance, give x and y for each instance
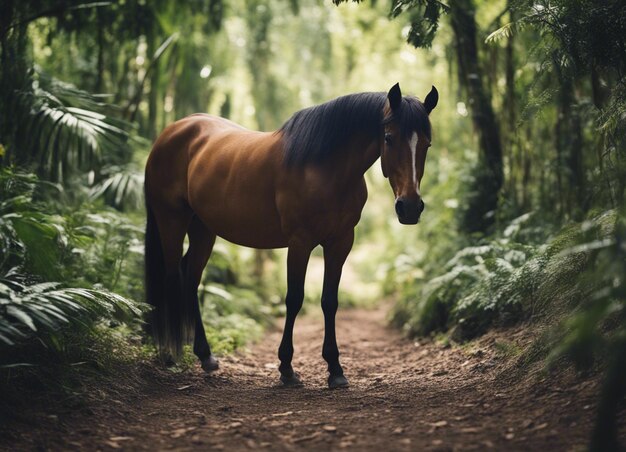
(400, 208)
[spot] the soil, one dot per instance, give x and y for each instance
(404, 395)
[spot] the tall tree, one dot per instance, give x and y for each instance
(483, 201)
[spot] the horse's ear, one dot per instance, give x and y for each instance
(431, 100)
(395, 97)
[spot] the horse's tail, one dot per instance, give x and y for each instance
(170, 321)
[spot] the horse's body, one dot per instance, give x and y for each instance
(207, 177)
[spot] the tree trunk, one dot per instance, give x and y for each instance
(153, 97)
(481, 206)
(512, 151)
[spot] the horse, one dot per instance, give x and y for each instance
(298, 187)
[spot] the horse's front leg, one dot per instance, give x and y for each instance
(335, 253)
(297, 261)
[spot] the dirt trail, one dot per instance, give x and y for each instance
(403, 396)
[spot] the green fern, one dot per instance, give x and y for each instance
(41, 309)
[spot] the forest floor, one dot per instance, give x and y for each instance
(404, 395)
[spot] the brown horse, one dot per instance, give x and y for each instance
(298, 187)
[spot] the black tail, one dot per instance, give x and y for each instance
(171, 320)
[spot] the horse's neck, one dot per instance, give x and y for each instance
(363, 152)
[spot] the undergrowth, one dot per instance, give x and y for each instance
(509, 278)
(71, 285)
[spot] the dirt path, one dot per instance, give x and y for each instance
(403, 396)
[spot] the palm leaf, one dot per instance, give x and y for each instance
(122, 188)
(62, 132)
(41, 309)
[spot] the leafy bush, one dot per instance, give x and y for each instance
(504, 281)
(43, 309)
(86, 250)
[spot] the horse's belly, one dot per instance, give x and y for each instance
(249, 221)
(252, 233)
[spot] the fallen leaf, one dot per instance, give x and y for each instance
(470, 430)
(306, 438)
(181, 431)
(286, 413)
(439, 424)
(113, 444)
(329, 428)
(235, 424)
(541, 426)
(120, 438)
(509, 436)
(184, 387)
(398, 431)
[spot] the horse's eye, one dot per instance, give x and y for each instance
(388, 139)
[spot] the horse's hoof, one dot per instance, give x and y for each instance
(210, 364)
(291, 382)
(337, 381)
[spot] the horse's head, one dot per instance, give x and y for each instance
(406, 140)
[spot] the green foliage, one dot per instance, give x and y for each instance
(60, 131)
(232, 316)
(85, 249)
(120, 187)
(424, 16)
(30, 309)
(597, 324)
(30, 237)
(507, 279)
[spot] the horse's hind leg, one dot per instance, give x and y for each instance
(335, 253)
(201, 241)
(297, 261)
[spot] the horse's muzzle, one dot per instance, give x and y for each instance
(409, 210)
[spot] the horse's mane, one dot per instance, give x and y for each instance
(314, 133)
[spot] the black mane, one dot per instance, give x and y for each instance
(314, 133)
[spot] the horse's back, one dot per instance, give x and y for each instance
(175, 148)
(224, 172)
